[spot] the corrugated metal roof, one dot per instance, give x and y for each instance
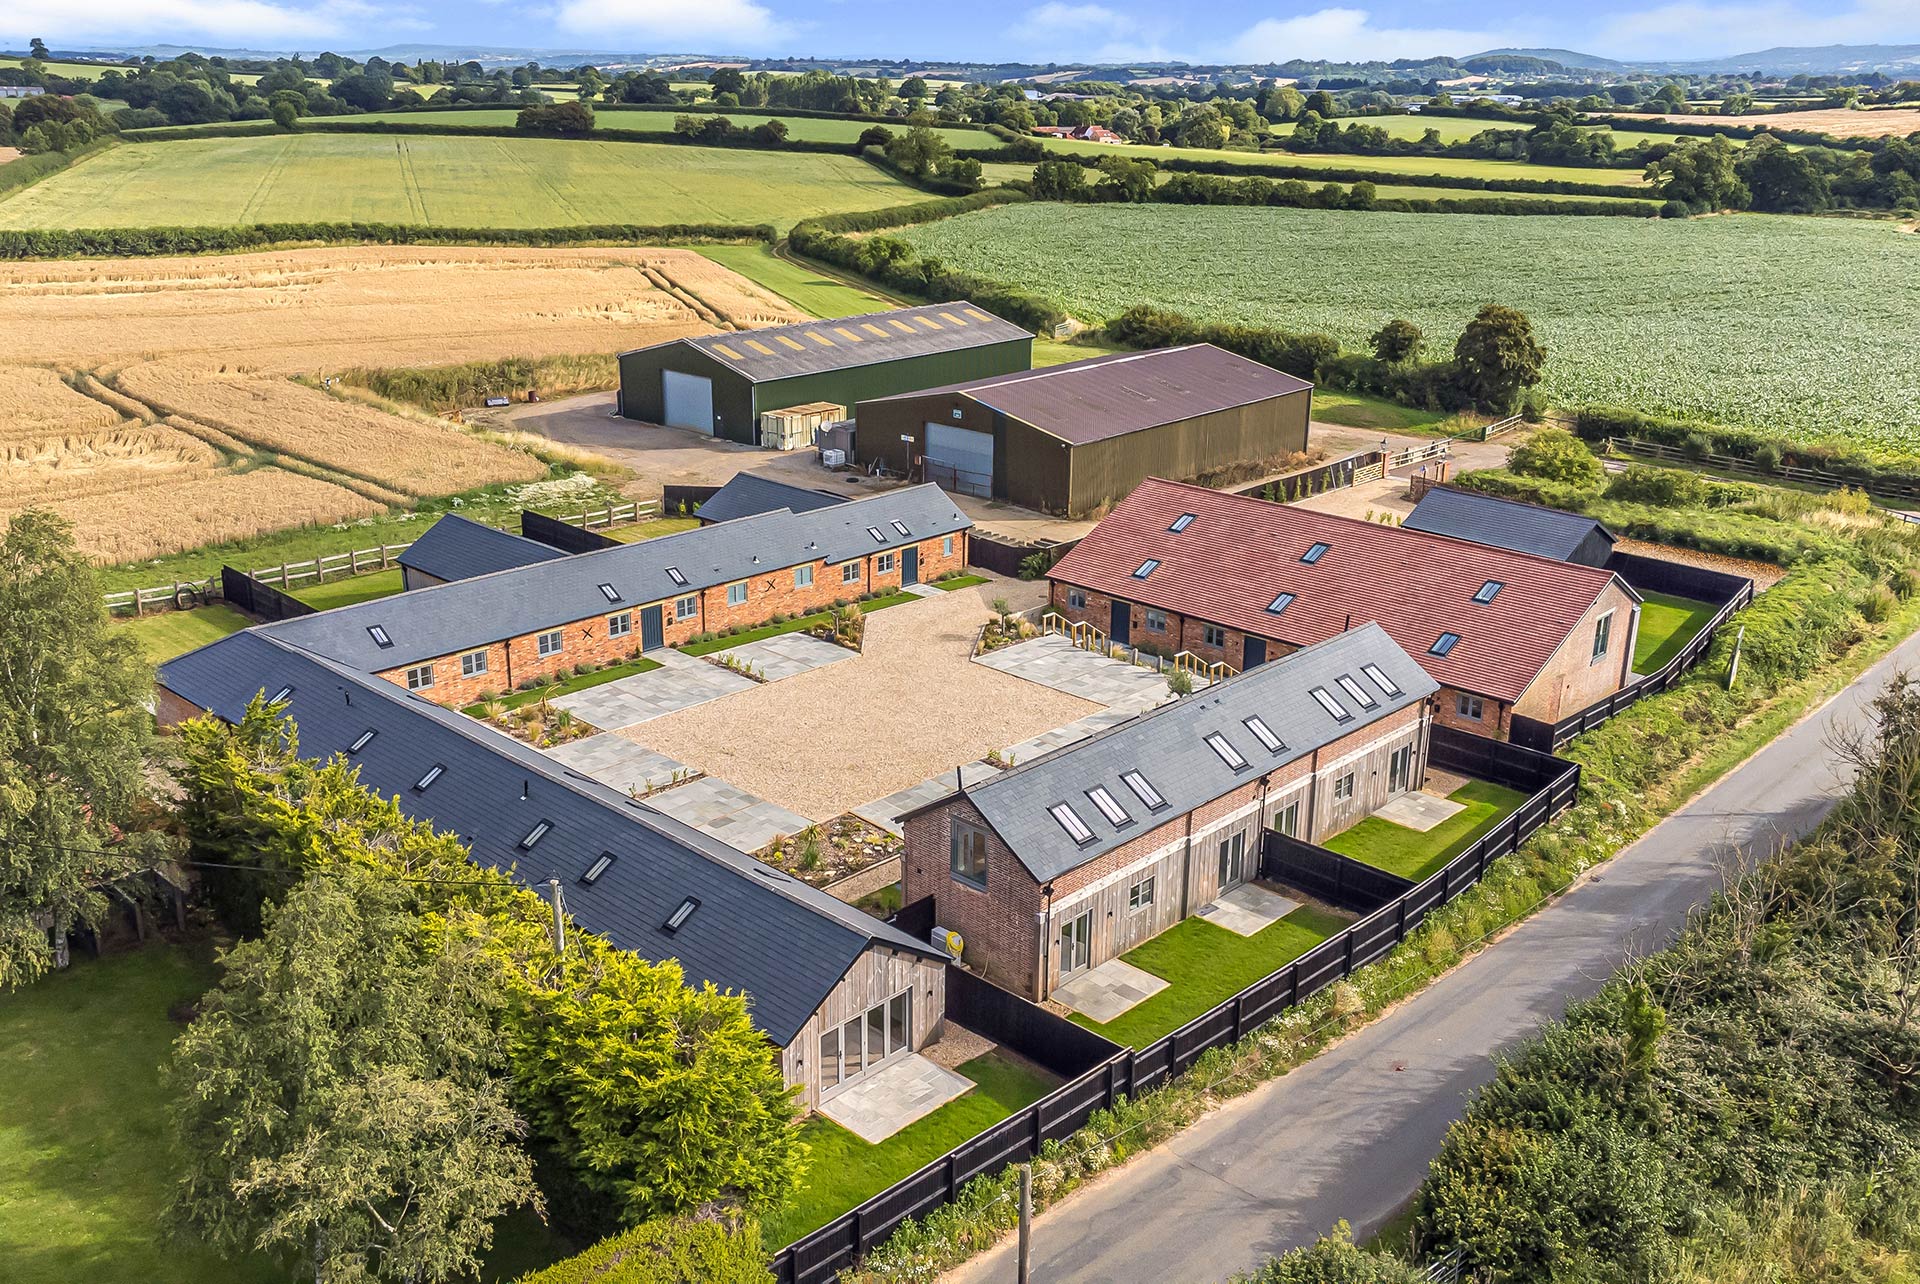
(812, 347)
(1102, 397)
(447, 618)
(748, 496)
(456, 548)
(1503, 523)
(1168, 747)
(756, 930)
(1239, 554)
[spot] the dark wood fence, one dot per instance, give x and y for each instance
(675, 498)
(1003, 557)
(1658, 575)
(1890, 487)
(259, 599)
(1328, 876)
(561, 535)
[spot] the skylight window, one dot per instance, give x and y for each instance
(1357, 691)
(1331, 705)
(1228, 754)
(280, 695)
(902, 528)
(1280, 604)
(1070, 821)
(1147, 568)
(1380, 679)
(362, 740)
(683, 912)
(1181, 523)
(879, 536)
(673, 573)
(598, 868)
(1314, 554)
(1143, 790)
(1109, 806)
(1443, 644)
(433, 773)
(1264, 734)
(609, 592)
(535, 834)
(379, 636)
(1487, 591)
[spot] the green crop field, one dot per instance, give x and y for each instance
(1447, 166)
(1005, 171)
(448, 182)
(1455, 129)
(1804, 325)
(803, 128)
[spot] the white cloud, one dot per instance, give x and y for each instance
(1062, 32)
(1344, 35)
(1700, 30)
(256, 23)
(677, 26)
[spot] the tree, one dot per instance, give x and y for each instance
(1397, 341)
(1782, 181)
(727, 80)
(1059, 180)
(1702, 175)
(37, 48)
(73, 738)
(573, 119)
(1498, 358)
(1124, 178)
(1322, 104)
(913, 89)
(337, 1099)
(770, 133)
(284, 113)
(1554, 454)
(919, 151)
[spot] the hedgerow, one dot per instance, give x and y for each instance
(678, 1250)
(132, 242)
(1866, 466)
(24, 171)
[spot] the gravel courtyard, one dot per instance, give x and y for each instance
(911, 705)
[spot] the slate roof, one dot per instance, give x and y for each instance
(456, 548)
(813, 347)
(1167, 746)
(748, 496)
(1111, 396)
(756, 930)
(1240, 553)
(444, 619)
(1504, 523)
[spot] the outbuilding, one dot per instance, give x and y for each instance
(721, 384)
(1508, 523)
(1072, 437)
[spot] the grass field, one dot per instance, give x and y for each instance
(1454, 129)
(807, 289)
(445, 182)
(1353, 410)
(1415, 855)
(1791, 324)
(1449, 166)
(802, 128)
(1666, 624)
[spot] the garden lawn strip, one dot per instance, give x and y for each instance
(1666, 624)
(728, 641)
(349, 589)
(578, 682)
(959, 582)
(652, 529)
(165, 634)
(1414, 855)
(1356, 410)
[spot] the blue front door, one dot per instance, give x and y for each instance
(1121, 630)
(652, 633)
(909, 566)
(1256, 653)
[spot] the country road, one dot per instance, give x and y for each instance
(1350, 1134)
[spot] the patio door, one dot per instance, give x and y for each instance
(1076, 944)
(1233, 863)
(863, 1044)
(1400, 769)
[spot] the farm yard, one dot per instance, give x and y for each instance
(1684, 317)
(445, 182)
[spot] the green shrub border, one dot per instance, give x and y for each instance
(1848, 461)
(25, 171)
(138, 242)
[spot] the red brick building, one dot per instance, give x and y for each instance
(1082, 854)
(1239, 580)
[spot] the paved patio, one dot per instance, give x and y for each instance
(1056, 663)
(881, 811)
(1419, 811)
(790, 655)
(1248, 909)
(729, 813)
(906, 1089)
(680, 682)
(619, 762)
(1103, 993)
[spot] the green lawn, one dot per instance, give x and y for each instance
(1057, 352)
(350, 589)
(85, 1168)
(579, 682)
(165, 634)
(1414, 855)
(1666, 625)
(654, 529)
(959, 582)
(446, 182)
(727, 642)
(1356, 410)
(1206, 965)
(804, 287)
(843, 1170)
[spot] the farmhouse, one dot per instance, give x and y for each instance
(824, 980)
(1508, 523)
(723, 383)
(1235, 580)
(457, 548)
(1078, 856)
(1069, 438)
(746, 495)
(1081, 133)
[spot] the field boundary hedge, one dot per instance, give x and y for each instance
(1291, 193)
(743, 139)
(142, 242)
(25, 171)
(1846, 461)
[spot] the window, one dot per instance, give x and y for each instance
(609, 592)
(946, 546)
(1287, 820)
(902, 528)
(1602, 635)
(1213, 635)
(1228, 754)
(883, 564)
(850, 572)
(362, 740)
(673, 573)
(681, 913)
(1468, 705)
(1142, 790)
(969, 854)
(280, 695)
(598, 868)
(1140, 895)
(803, 576)
(1156, 620)
(1077, 599)
(419, 677)
(1181, 523)
(1146, 568)
(379, 636)
(1280, 603)
(473, 664)
(618, 626)
(550, 643)
(434, 773)
(1357, 691)
(878, 537)
(1331, 705)
(1264, 734)
(1070, 821)
(737, 594)
(1343, 788)
(1443, 644)
(1381, 680)
(1314, 554)
(1487, 591)
(535, 834)
(1109, 806)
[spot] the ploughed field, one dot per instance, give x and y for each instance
(445, 182)
(1792, 324)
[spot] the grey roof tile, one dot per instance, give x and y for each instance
(748, 496)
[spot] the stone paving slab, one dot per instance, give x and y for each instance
(729, 813)
(1070, 733)
(681, 682)
(1055, 662)
(881, 811)
(1419, 811)
(619, 762)
(1104, 992)
(903, 1090)
(1248, 909)
(924, 590)
(790, 654)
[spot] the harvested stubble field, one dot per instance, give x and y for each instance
(1841, 122)
(1799, 325)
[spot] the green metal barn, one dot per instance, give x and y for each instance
(722, 383)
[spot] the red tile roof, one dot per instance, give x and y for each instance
(1240, 553)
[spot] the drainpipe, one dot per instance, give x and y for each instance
(1313, 797)
(1046, 947)
(1186, 876)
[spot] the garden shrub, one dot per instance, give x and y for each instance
(1556, 455)
(1667, 487)
(677, 1250)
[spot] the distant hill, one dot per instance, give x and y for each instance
(1823, 60)
(1567, 58)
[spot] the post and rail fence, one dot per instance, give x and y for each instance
(1885, 487)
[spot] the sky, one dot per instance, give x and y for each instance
(977, 30)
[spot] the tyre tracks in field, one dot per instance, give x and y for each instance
(539, 179)
(269, 177)
(410, 181)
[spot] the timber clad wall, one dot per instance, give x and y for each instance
(879, 974)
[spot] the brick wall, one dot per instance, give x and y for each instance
(170, 710)
(1002, 938)
(1494, 722)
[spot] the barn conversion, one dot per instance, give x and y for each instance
(1069, 438)
(723, 383)
(1080, 855)
(456, 548)
(1508, 523)
(746, 495)
(1236, 580)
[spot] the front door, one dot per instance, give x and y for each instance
(652, 630)
(1121, 620)
(909, 566)
(1256, 653)
(1400, 769)
(1233, 863)
(1076, 944)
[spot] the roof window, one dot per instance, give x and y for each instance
(598, 868)
(902, 528)
(1143, 790)
(1228, 754)
(609, 592)
(1331, 705)
(535, 834)
(1358, 692)
(1280, 604)
(1147, 568)
(1109, 806)
(682, 912)
(1444, 643)
(362, 740)
(1487, 591)
(673, 573)
(1314, 554)
(1381, 680)
(433, 773)
(1181, 523)
(1070, 821)
(879, 536)
(280, 695)
(1264, 734)
(379, 636)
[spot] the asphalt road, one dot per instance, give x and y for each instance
(1350, 1134)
